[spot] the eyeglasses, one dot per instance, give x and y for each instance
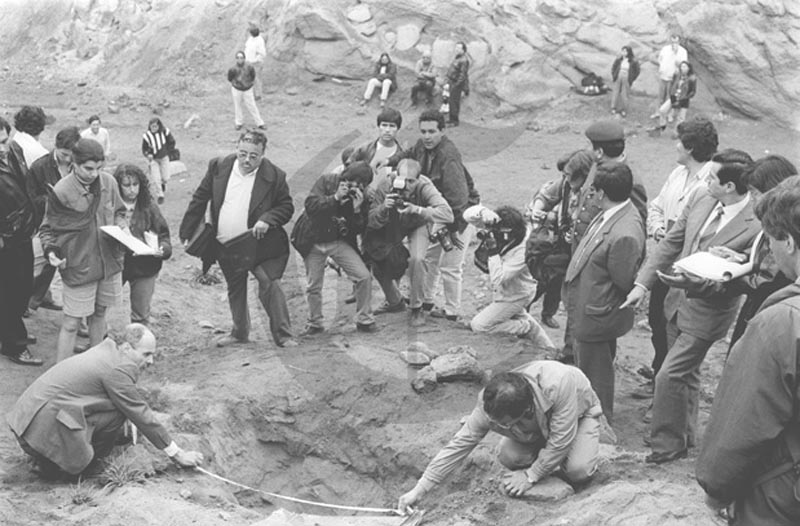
(507, 427)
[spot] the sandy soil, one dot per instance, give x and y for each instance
(335, 419)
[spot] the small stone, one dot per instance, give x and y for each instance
(550, 489)
(458, 349)
(186, 494)
(224, 516)
(306, 103)
(205, 324)
(454, 367)
(359, 13)
(415, 358)
(291, 90)
(423, 348)
(545, 166)
(425, 381)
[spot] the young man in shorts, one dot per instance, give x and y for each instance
(90, 262)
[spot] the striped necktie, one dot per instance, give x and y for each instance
(711, 230)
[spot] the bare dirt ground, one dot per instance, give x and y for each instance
(335, 419)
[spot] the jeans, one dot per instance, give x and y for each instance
(272, 299)
(351, 263)
(580, 463)
(675, 402)
(159, 176)
(417, 246)
(246, 100)
(504, 317)
(620, 93)
(450, 265)
(142, 290)
(385, 86)
(666, 109)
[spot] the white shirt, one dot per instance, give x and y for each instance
(102, 137)
(669, 203)
(728, 213)
(236, 206)
(254, 49)
(669, 60)
(31, 148)
(608, 214)
(381, 153)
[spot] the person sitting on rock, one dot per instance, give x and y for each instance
(74, 414)
(426, 79)
(504, 233)
(384, 76)
(549, 418)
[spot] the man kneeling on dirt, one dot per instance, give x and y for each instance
(74, 414)
(549, 417)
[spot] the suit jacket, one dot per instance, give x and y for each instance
(54, 415)
(270, 202)
(706, 318)
(600, 275)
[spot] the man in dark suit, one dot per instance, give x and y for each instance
(248, 196)
(76, 411)
(721, 216)
(602, 269)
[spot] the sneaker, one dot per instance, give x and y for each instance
(311, 330)
(288, 342)
(417, 318)
(24, 357)
(385, 308)
(229, 339)
(366, 327)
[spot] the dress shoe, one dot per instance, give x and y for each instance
(417, 318)
(229, 339)
(441, 313)
(550, 322)
(24, 357)
(385, 308)
(31, 340)
(311, 330)
(366, 327)
(661, 458)
(50, 305)
(427, 307)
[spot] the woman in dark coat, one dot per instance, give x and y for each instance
(624, 71)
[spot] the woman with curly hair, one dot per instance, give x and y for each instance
(624, 71)
(157, 143)
(145, 220)
(384, 76)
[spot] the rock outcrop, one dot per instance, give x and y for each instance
(525, 53)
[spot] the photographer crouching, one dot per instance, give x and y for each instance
(405, 204)
(501, 254)
(335, 214)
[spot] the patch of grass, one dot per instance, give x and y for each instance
(84, 493)
(122, 470)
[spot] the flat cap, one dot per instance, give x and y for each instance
(604, 131)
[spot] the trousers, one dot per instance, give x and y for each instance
(142, 290)
(16, 280)
(675, 402)
(450, 266)
(658, 324)
(351, 263)
(417, 247)
(372, 84)
(159, 176)
(580, 463)
(247, 101)
(596, 360)
(271, 296)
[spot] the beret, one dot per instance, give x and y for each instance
(604, 131)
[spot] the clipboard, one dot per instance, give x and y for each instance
(137, 246)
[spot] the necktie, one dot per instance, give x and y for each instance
(710, 231)
(587, 239)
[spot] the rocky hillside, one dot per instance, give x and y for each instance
(525, 53)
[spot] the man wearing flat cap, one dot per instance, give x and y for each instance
(335, 215)
(90, 262)
(249, 203)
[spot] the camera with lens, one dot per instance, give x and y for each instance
(352, 191)
(487, 239)
(341, 226)
(399, 187)
(442, 236)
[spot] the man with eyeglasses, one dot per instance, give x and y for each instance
(549, 417)
(249, 199)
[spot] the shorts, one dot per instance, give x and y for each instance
(80, 301)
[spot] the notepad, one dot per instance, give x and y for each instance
(137, 246)
(714, 268)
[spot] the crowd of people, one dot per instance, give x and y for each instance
(397, 213)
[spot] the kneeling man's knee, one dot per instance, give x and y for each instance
(580, 472)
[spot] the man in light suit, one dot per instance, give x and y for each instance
(721, 216)
(600, 273)
(76, 411)
(247, 194)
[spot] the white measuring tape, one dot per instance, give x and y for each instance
(301, 501)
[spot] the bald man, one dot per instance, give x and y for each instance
(75, 413)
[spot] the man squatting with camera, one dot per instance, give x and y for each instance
(406, 204)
